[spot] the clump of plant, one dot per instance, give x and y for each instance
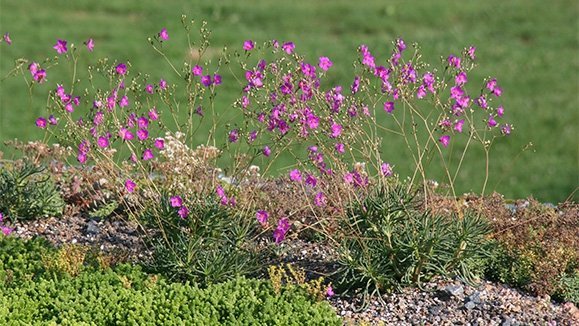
(537, 246)
(388, 242)
(28, 192)
(291, 276)
(203, 241)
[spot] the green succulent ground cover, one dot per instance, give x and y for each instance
(531, 48)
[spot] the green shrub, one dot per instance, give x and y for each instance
(127, 296)
(568, 289)
(391, 243)
(28, 193)
(21, 260)
(213, 244)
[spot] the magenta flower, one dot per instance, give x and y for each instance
(142, 122)
(325, 63)
(6, 230)
(153, 114)
(330, 291)
(295, 175)
(248, 45)
(482, 102)
(183, 212)
(124, 102)
(81, 157)
(279, 233)
(262, 216)
(454, 61)
(220, 191)
(40, 76)
(121, 69)
(148, 154)
(500, 111)
(492, 122)
(41, 122)
(130, 185)
(52, 120)
(498, 91)
(458, 125)
(197, 70)
(288, 47)
(389, 107)
(506, 129)
(103, 142)
(126, 134)
(206, 80)
(471, 52)
(400, 45)
(311, 180)
(7, 39)
(252, 136)
(159, 143)
(163, 35)
(461, 78)
(336, 130)
(421, 92)
(89, 44)
(216, 79)
(355, 85)
(1, 218)
(340, 148)
(60, 46)
(444, 140)
(320, 199)
(266, 151)
(491, 84)
(162, 84)
(176, 201)
(386, 169)
(244, 102)
(233, 136)
(142, 134)
(149, 88)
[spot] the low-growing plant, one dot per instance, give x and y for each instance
(209, 244)
(388, 242)
(291, 276)
(28, 192)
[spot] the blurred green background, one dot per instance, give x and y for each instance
(530, 46)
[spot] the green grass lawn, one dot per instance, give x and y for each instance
(530, 46)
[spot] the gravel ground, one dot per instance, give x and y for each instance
(439, 302)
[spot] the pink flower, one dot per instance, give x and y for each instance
(220, 191)
(355, 85)
(283, 226)
(153, 114)
(183, 212)
(244, 102)
(444, 140)
(1, 218)
(492, 122)
(216, 79)
(124, 101)
(471, 52)
(454, 61)
(386, 169)
(149, 88)
(336, 130)
(320, 199)
(160, 143)
(126, 134)
(458, 125)
(266, 151)
(41, 122)
(421, 92)
(52, 120)
(500, 111)
(288, 47)
(497, 91)
(162, 84)
(142, 134)
(142, 122)
(130, 185)
(163, 35)
(121, 69)
(206, 80)
(491, 84)
(233, 136)
(340, 148)
(60, 46)
(348, 177)
(295, 175)
(262, 216)
(148, 154)
(89, 44)
(248, 45)
(325, 63)
(103, 142)
(506, 129)
(461, 78)
(330, 291)
(311, 180)
(40, 76)
(400, 45)
(33, 68)
(176, 201)
(6, 230)
(389, 107)
(197, 70)
(7, 39)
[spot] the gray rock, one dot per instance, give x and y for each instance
(454, 290)
(435, 310)
(92, 227)
(475, 297)
(470, 305)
